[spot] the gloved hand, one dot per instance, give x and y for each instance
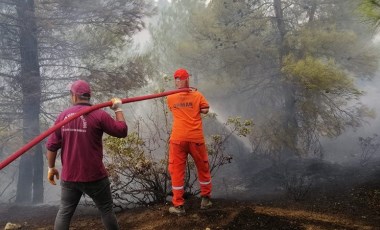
(116, 103)
(51, 173)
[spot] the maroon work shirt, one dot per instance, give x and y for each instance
(81, 144)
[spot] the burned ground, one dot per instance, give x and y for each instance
(344, 198)
(358, 208)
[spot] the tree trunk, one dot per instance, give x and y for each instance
(30, 180)
(281, 27)
(311, 11)
(289, 122)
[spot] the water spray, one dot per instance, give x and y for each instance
(43, 135)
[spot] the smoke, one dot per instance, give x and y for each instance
(7, 186)
(345, 148)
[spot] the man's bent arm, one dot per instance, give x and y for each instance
(204, 111)
(51, 158)
(119, 116)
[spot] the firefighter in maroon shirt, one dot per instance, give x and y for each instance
(83, 171)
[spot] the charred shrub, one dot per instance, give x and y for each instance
(297, 186)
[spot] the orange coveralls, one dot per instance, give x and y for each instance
(187, 137)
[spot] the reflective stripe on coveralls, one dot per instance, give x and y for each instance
(208, 182)
(177, 188)
(181, 187)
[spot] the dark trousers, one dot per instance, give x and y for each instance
(100, 193)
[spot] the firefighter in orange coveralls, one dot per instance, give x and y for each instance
(187, 137)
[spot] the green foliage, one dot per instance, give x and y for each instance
(323, 107)
(129, 147)
(322, 39)
(172, 44)
(241, 128)
(344, 46)
(137, 179)
(371, 10)
(317, 75)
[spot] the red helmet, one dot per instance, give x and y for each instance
(181, 74)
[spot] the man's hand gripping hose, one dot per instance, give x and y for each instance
(116, 104)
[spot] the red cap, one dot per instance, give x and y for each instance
(181, 74)
(80, 87)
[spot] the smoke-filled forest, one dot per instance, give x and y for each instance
(292, 132)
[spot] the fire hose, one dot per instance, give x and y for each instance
(43, 135)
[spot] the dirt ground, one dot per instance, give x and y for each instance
(359, 208)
